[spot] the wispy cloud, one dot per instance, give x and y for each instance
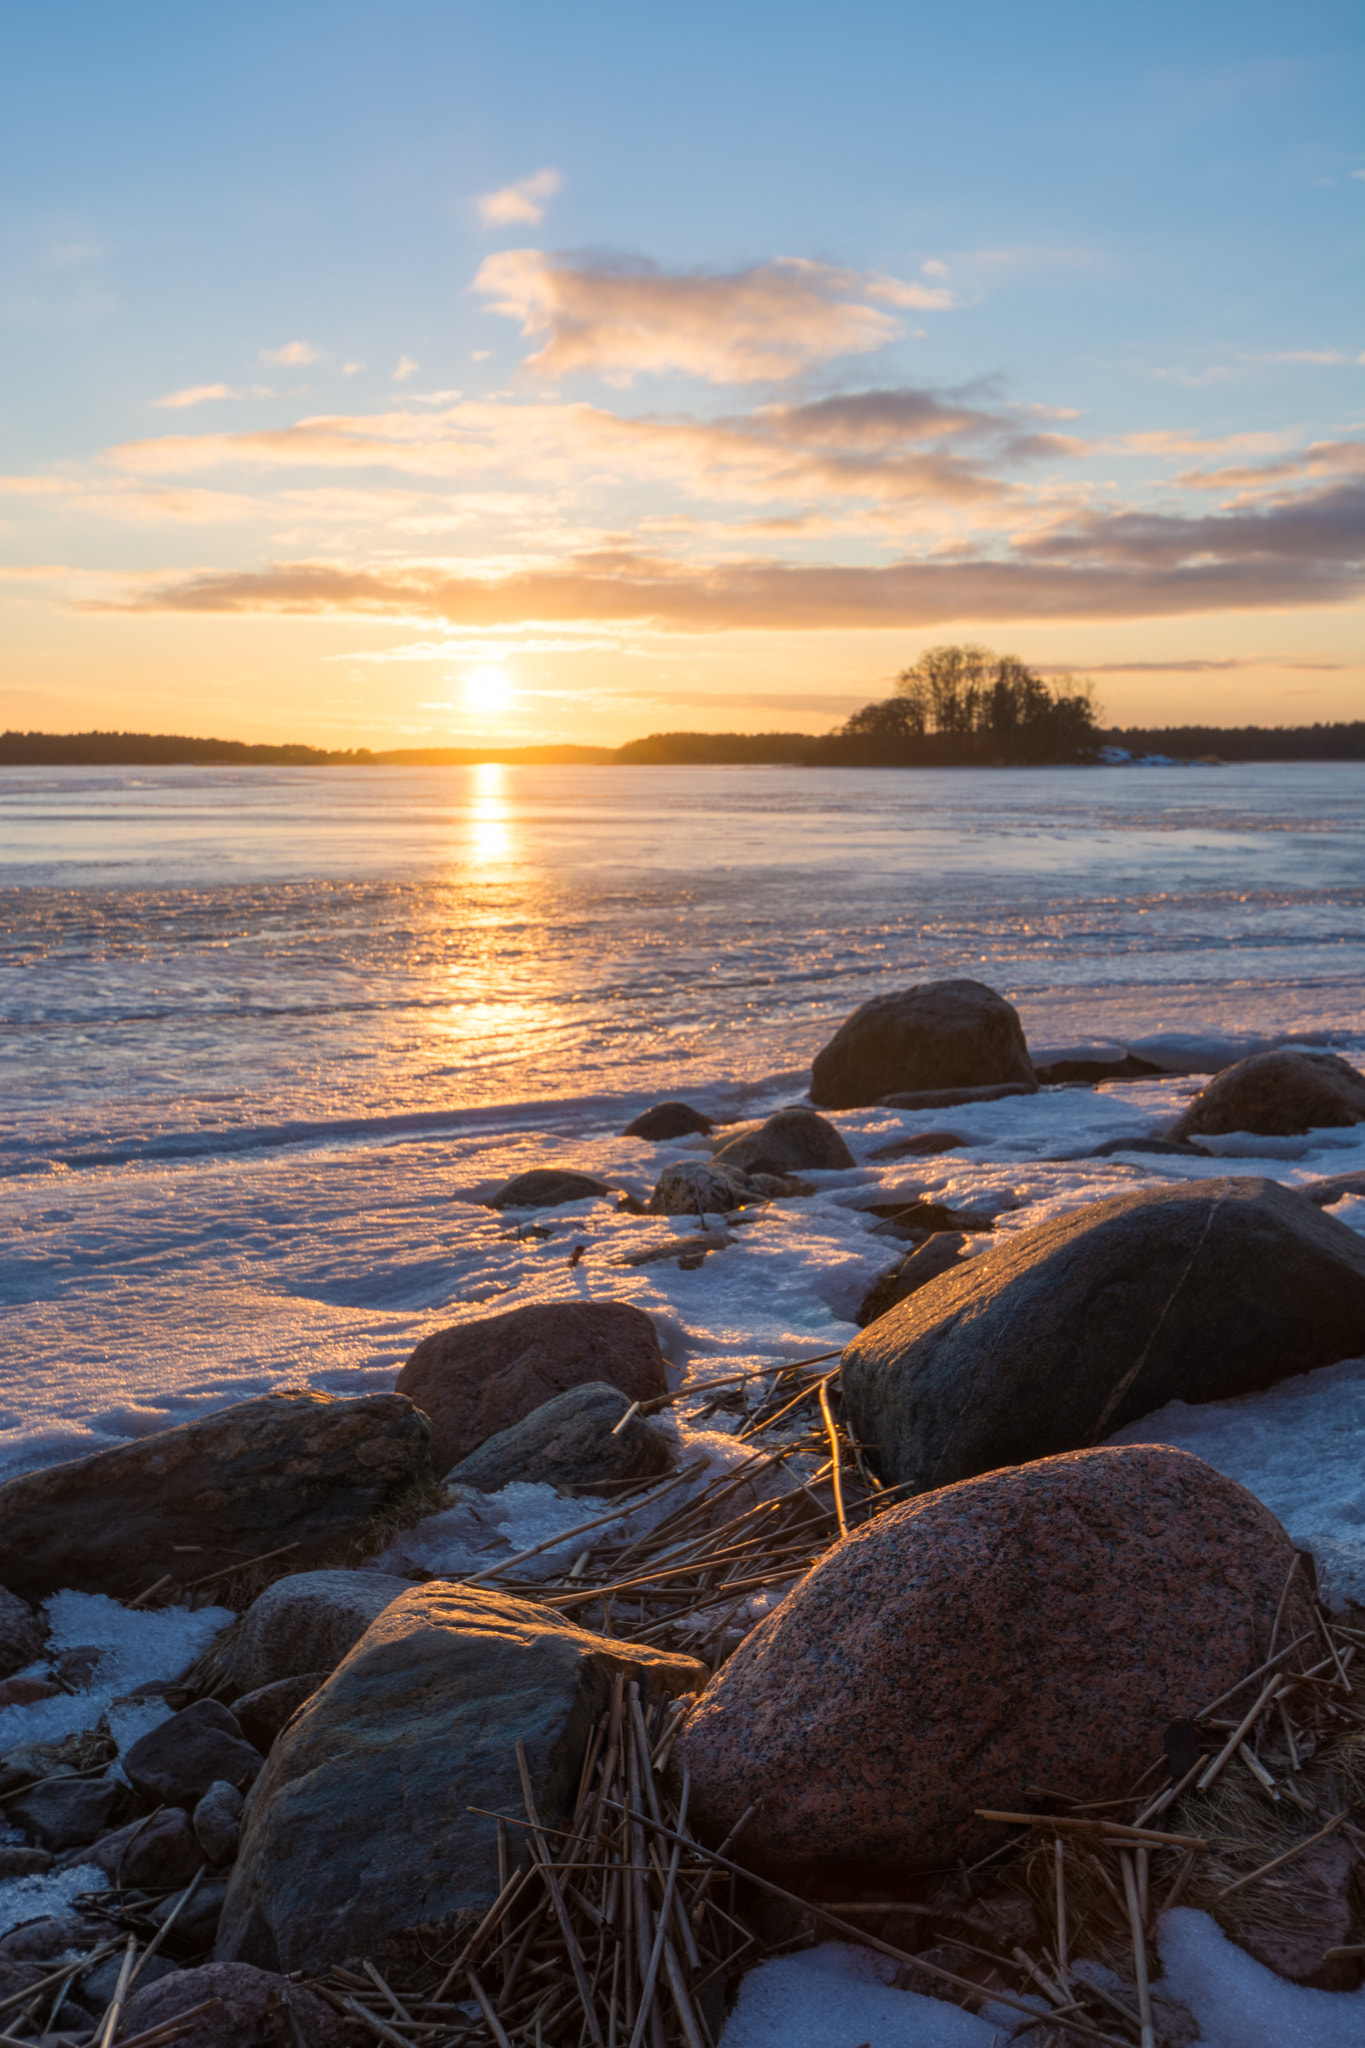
(195, 394)
(620, 317)
(523, 201)
(292, 354)
(406, 368)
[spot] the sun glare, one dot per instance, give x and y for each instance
(487, 690)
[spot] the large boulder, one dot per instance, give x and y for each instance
(1277, 1094)
(939, 1034)
(359, 1839)
(479, 1378)
(790, 1142)
(1031, 1627)
(1059, 1336)
(307, 1623)
(569, 1443)
(296, 1468)
(254, 2009)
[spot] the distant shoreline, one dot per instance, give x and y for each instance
(1339, 742)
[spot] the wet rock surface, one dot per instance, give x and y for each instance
(1277, 1094)
(295, 1468)
(937, 1035)
(569, 1443)
(1057, 1337)
(358, 1838)
(479, 1378)
(1032, 1626)
(307, 1623)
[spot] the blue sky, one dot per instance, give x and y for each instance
(419, 373)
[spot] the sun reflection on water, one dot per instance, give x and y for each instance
(491, 834)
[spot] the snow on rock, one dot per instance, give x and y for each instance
(837, 1995)
(1300, 1448)
(37, 1898)
(135, 1645)
(1239, 2003)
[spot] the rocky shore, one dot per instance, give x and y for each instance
(889, 1648)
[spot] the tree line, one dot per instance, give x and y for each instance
(964, 706)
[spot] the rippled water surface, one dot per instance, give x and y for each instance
(194, 954)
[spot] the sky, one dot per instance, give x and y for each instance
(430, 374)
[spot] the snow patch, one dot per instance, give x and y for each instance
(1239, 2003)
(135, 1646)
(37, 1898)
(837, 1995)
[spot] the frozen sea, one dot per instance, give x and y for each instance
(271, 1035)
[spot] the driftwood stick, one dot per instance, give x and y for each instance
(73, 1969)
(1238, 1735)
(491, 2020)
(1059, 1876)
(243, 1564)
(168, 1923)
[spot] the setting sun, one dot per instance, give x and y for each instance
(487, 689)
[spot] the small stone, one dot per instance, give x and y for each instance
(17, 1862)
(669, 1120)
(63, 1812)
(151, 1854)
(218, 1822)
(546, 1187)
(24, 1692)
(923, 1145)
(253, 2009)
(40, 1941)
(568, 1443)
(97, 1986)
(266, 1711)
(175, 1763)
(197, 1923)
(702, 1187)
(77, 1667)
(1277, 1094)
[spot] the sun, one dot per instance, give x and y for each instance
(487, 690)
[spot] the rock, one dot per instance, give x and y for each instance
(954, 1098)
(1111, 1146)
(96, 1987)
(545, 1187)
(568, 1443)
(1086, 1069)
(218, 1822)
(307, 1623)
(17, 1862)
(358, 1838)
(1323, 1883)
(922, 1146)
(175, 1763)
(296, 1467)
(1033, 1626)
(918, 1219)
(479, 1378)
(253, 2010)
(793, 1141)
(63, 1812)
(197, 1923)
(22, 1635)
(41, 1941)
(1058, 1336)
(25, 1692)
(669, 1120)
(702, 1187)
(1277, 1094)
(156, 1853)
(1326, 1193)
(916, 1270)
(937, 1035)
(263, 1713)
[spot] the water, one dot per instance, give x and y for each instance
(198, 958)
(271, 1036)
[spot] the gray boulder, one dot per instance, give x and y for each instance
(155, 1853)
(294, 1468)
(703, 1187)
(63, 1812)
(264, 1712)
(937, 1255)
(307, 1623)
(22, 1635)
(669, 1120)
(1059, 1336)
(790, 1142)
(1277, 1094)
(568, 1443)
(479, 1378)
(218, 1822)
(545, 1187)
(255, 2009)
(175, 1763)
(937, 1035)
(359, 1839)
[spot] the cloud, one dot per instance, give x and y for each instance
(1300, 355)
(195, 394)
(1321, 459)
(292, 354)
(406, 368)
(620, 317)
(523, 201)
(1097, 566)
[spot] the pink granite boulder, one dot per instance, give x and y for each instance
(1041, 1625)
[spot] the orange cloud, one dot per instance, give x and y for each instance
(523, 201)
(292, 354)
(619, 318)
(195, 394)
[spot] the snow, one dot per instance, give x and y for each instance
(1300, 1448)
(837, 1995)
(136, 1646)
(37, 1898)
(1238, 2002)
